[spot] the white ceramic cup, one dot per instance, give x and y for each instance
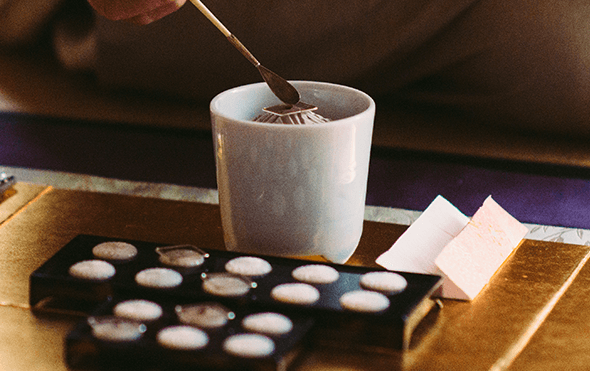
(293, 190)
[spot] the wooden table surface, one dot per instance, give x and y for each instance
(534, 315)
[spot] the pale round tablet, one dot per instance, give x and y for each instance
(388, 283)
(315, 274)
(249, 345)
(160, 278)
(182, 338)
(139, 310)
(95, 270)
(226, 285)
(295, 293)
(117, 251)
(364, 301)
(268, 323)
(181, 256)
(205, 315)
(249, 266)
(115, 329)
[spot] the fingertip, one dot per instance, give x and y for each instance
(140, 20)
(132, 13)
(157, 14)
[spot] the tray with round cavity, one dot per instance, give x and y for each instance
(374, 306)
(138, 333)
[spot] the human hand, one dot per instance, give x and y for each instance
(139, 12)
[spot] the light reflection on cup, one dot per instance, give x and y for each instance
(293, 190)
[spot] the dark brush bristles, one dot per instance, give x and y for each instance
(306, 118)
(300, 114)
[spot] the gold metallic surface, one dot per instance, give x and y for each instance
(462, 336)
(563, 343)
(17, 198)
(31, 343)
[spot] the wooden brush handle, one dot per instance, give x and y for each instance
(232, 39)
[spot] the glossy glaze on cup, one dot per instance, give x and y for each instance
(293, 189)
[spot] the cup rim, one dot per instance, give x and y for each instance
(218, 97)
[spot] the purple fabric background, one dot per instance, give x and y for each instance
(546, 195)
(541, 194)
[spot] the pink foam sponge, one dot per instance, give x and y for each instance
(466, 252)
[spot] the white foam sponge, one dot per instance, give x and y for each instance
(466, 252)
